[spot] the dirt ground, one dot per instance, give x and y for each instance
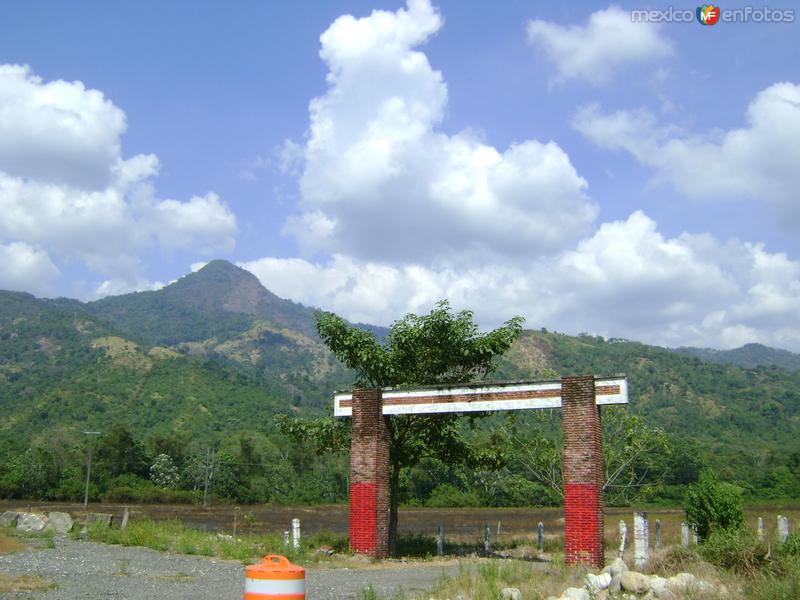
(462, 525)
(78, 570)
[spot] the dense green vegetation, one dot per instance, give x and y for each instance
(208, 362)
(749, 356)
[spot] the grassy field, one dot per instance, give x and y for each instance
(463, 526)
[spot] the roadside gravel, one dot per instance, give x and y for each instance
(90, 571)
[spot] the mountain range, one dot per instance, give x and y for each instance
(215, 353)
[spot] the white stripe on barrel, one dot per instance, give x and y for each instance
(273, 587)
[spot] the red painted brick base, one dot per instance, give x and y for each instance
(583, 473)
(369, 475)
(583, 524)
(363, 526)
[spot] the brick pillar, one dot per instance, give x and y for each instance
(369, 475)
(583, 472)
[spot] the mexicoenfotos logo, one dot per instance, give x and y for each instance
(708, 14)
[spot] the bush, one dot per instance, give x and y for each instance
(447, 495)
(121, 494)
(791, 547)
(676, 559)
(736, 550)
(779, 582)
(147, 493)
(711, 505)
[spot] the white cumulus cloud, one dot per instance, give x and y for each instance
(26, 269)
(380, 179)
(407, 215)
(115, 287)
(625, 280)
(758, 162)
(57, 131)
(67, 190)
(596, 51)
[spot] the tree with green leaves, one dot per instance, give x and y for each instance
(635, 454)
(711, 505)
(118, 452)
(437, 348)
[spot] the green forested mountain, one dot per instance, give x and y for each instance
(209, 360)
(748, 356)
(744, 422)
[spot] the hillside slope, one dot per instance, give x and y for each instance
(63, 368)
(215, 354)
(748, 356)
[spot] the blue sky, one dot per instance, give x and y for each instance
(554, 160)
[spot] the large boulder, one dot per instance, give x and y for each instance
(631, 581)
(615, 567)
(615, 587)
(96, 520)
(682, 582)
(60, 522)
(99, 519)
(596, 583)
(9, 518)
(659, 589)
(31, 522)
(575, 594)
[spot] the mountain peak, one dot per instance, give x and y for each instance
(221, 285)
(219, 265)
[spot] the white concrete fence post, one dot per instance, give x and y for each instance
(685, 534)
(540, 536)
(783, 528)
(623, 538)
(295, 533)
(760, 530)
(641, 539)
(658, 534)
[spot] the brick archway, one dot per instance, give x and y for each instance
(580, 399)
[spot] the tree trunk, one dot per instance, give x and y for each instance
(394, 488)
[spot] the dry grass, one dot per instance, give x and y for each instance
(9, 545)
(24, 583)
(484, 579)
(123, 352)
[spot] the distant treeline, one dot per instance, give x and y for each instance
(257, 468)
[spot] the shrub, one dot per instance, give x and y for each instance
(791, 547)
(736, 550)
(779, 582)
(711, 505)
(147, 493)
(448, 495)
(676, 559)
(121, 494)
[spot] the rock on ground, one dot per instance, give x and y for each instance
(60, 522)
(616, 567)
(575, 594)
(9, 519)
(631, 581)
(596, 583)
(31, 522)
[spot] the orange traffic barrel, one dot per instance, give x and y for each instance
(274, 578)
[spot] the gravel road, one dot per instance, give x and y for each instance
(90, 571)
